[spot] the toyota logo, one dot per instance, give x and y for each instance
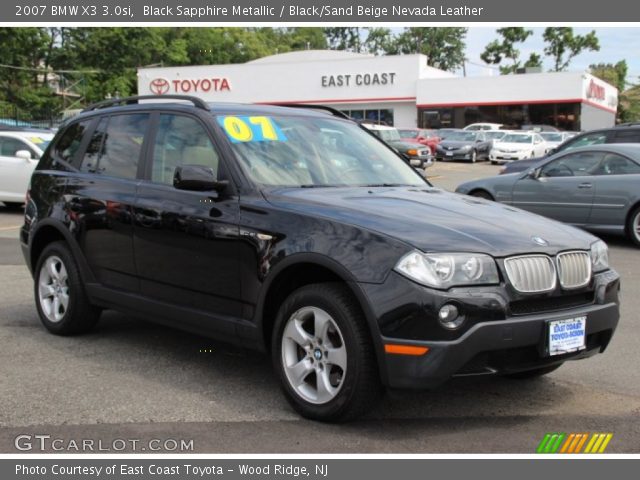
(159, 86)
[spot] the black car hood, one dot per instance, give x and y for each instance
(431, 219)
(455, 143)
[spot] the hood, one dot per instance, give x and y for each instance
(403, 145)
(513, 146)
(454, 143)
(431, 219)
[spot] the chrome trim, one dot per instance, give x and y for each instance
(531, 273)
(574, 269)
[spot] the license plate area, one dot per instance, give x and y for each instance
(566, 336)
(449, 154)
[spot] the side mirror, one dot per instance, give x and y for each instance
(532, 173)
(23, 154)
(197, 178)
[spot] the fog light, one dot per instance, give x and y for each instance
(449, 317)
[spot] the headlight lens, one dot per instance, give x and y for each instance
(599, 256)
(466, 148)
(445, 270)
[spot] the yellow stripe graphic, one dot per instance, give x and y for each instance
(606, 441)
(594, 437)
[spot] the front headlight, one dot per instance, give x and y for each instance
(445, 270)
(466, 148)
(599, 256)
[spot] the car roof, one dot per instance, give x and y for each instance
(627, 149)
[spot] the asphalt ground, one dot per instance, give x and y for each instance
(132, 380)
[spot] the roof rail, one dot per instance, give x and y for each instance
(197, 102)
(331, 110)
(628, 124)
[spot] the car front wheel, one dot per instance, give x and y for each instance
(62, 303)
(323, 354)
(633, 227)
(474, 156)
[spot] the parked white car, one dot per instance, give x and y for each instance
(484, 126)
(495, 135)
(555, 139)
(19, 155)
(517, 146)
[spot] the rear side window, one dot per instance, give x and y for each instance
(595, 138)
(68, 144)
(629, 136)
(115, 146)
(10, 146)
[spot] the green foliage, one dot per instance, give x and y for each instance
(504, 49)
(628, 99)
(563, 45)
(443, 46)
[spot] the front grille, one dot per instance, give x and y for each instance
(531, 273)
(574, 269)
(540, 305)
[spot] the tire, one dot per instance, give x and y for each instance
(529, 374)
(482, 194)
(351, 386)
(474, 156)
(57, 282)
(493, 162)
(633, 227)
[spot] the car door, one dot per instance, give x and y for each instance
(15, 172)
(617, 188)
(563, 189)
(482, 144)
(539, 147)
(100, 197)
(186, 242)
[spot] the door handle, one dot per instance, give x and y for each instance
(585, 185)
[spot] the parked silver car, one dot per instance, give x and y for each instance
(595, 187)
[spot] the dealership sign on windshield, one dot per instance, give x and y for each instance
(161, 86)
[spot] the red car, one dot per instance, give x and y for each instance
(422, 136)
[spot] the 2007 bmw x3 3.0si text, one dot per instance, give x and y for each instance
(295, 231)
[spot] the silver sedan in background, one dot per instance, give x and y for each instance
(595, 187)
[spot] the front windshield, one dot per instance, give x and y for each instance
(313, 152)
(552, 137)
(408, 133)
(516, 138)
(462, 136)
(495, 135)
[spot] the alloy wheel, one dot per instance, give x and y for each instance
(53, 289)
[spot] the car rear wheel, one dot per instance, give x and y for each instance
(61, 301)
(482, 194)
(633, 227)
(538, 372)
(323, 354)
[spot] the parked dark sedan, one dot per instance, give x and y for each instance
(597, 188)
(295, 232)
(464, 145)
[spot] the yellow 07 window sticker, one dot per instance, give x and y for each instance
(242, 129)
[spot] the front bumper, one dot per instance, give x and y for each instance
(503, 157)
(453, 155)
(499, 334)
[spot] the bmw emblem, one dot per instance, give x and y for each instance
(540, 241)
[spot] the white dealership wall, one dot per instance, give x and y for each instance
(599, 99)
(346, 81)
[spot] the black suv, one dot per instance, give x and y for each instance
(623, 133)
(295, 231)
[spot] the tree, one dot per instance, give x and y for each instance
(616, 75)
(443, 46)
(504, 49)
(343, 38)
(379, 41)
(563, 45)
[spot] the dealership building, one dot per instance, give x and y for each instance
(398, 90)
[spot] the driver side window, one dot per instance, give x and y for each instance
(573, 165)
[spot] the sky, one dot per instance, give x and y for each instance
(616, 43)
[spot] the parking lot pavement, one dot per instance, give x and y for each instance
(132, 379)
